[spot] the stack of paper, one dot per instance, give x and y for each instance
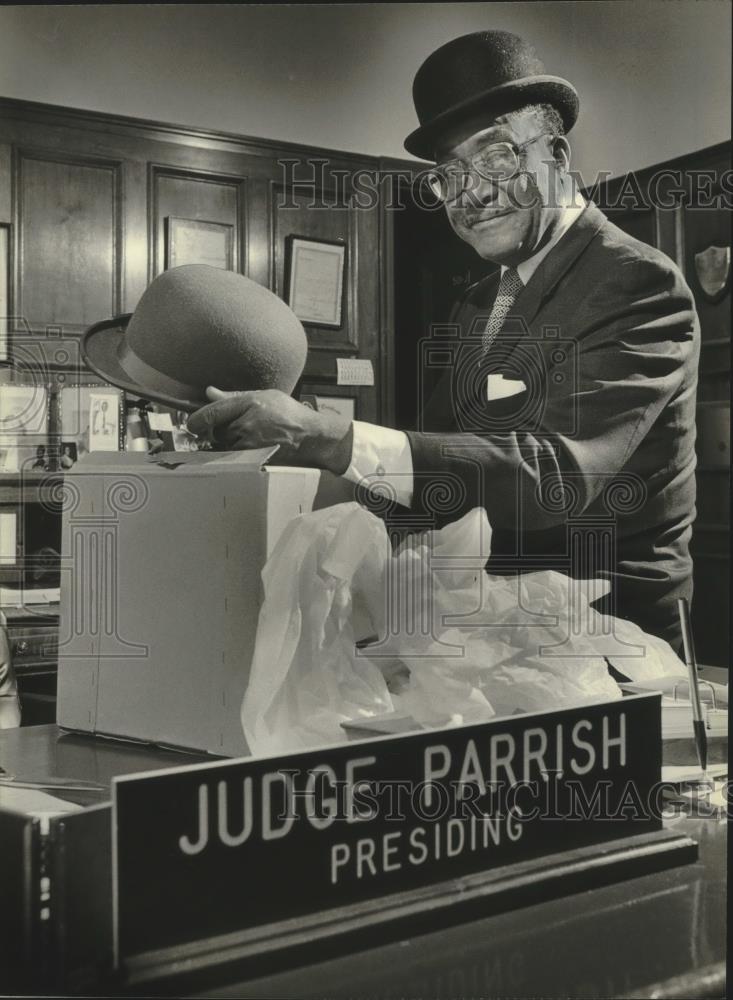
(677, 720)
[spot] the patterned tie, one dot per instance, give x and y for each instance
(509, 288)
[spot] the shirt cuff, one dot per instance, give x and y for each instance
(381, 459)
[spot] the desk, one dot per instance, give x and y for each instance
(614, 941)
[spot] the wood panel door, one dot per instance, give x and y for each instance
(706, 236)
(682, 208)
(89, 198)
(198, 196)
(322, 215)
(67, 216)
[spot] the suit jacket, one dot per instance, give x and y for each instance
(590, 467)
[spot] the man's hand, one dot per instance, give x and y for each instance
(244, 420)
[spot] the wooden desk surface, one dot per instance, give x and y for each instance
(666, 929)
(46, 751)
(610, 942)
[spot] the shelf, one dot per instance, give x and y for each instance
(20, 487)
(28, 477)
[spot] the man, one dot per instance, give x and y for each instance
(568, 409)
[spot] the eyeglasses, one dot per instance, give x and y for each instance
(497, 162)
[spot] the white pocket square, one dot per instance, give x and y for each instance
(498, 387)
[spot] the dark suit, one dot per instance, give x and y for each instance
(590, 470)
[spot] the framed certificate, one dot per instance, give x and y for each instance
(189, 241)
(314, 280)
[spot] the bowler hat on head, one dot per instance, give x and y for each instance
(196, 326)
(488, 71)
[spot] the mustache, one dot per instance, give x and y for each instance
(470, 218)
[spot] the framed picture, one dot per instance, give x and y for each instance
(23, 410)
(91, 417)
(314, 280)
(24, 428)
(327, 399)
(189, 241)
(4, 290)
(68, 454)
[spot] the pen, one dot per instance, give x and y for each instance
(701, 740)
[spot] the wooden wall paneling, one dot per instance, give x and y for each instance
(136, 257)
(365, 276)
(674, 193)
(258, 222)
(136, 144)
(713, 434)
(705, 228)
(331, 214)
(700, 228)
(710, 599)
(197, 195)
(713, 387)
(132, 146)
(321, 220)
(642, 225)
(713, 496)
(715, 359)
(6, 174)
(99, 126)
(669, 232)
(68, 251)
(386, 238)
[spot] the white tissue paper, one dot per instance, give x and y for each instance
(449, 644)
(322, 587)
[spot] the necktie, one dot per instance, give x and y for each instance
(509, 288)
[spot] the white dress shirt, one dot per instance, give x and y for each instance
(381, 455)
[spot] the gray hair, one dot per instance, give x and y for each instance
(549, 117)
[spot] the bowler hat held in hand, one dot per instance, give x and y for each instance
(491, 72)
(197, 326)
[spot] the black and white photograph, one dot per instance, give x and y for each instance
(365, 499)
(69, 454)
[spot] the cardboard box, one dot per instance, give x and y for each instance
(161, 589)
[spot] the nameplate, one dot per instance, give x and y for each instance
(217, 848)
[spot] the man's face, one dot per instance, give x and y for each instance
(504, 219)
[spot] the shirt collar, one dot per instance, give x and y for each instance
(570, 213)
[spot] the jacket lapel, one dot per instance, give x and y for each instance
(474, 314)
(559, 260)
(552, 269)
